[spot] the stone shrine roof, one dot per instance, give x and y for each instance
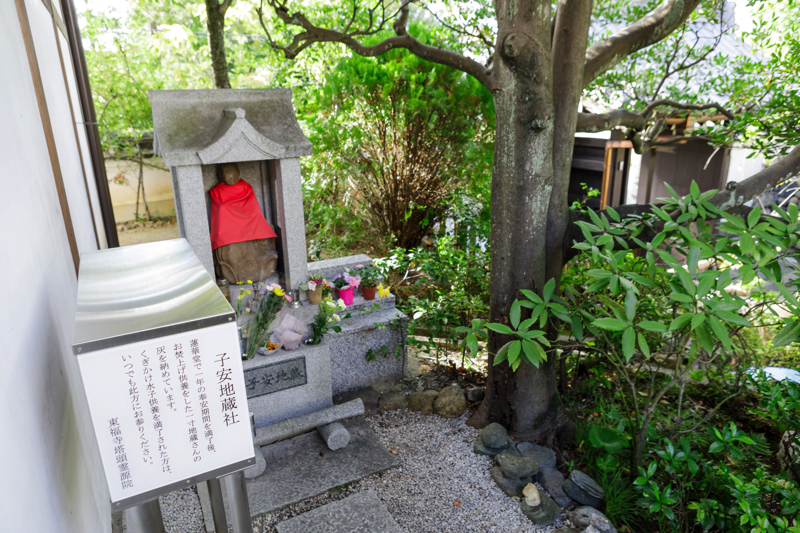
(195, 127)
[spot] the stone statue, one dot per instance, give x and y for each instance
(242, 239)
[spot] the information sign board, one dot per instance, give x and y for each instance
(168, 411)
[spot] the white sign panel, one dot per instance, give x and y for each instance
(168, 409)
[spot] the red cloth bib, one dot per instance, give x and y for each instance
(236, 215)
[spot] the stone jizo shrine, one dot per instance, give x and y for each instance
(206, 137)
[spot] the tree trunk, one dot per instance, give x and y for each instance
(215, 17)
(525, 401)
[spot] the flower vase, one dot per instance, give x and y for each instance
(347, 295)
(369, 292)
(315, 296)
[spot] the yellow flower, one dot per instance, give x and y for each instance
(279, 292)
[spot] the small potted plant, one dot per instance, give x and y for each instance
(346, 284)
(314, 287)
(369, 280)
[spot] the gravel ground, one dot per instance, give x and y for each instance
(440, 486)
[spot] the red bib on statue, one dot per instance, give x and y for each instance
(236, 215)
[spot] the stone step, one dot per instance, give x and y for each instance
(330, 268)
(360, 513)
(303, 467)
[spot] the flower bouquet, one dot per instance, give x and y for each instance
(346, 283)
(265, 305)
(327, 315)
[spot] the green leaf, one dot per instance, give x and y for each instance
(692, 259)
(656, 327)
(698, 320)
(577, 327)
(753, 217)
(680, 321)
(606, 439)
(716, 447)
(514, 315)
(630, 305)
(704, 336)
(732, 318)
(671, 191)
(598, 273)
(513, 351)
(530, 295)
(502, 354)
(611, 324)
(628, 343)
(613, 214)
(747, 244)
(694, 190)
(534, 352)
(549, 288)
(680, 297)
(787, 335)
(500, 328)
(643, 345)
(720, 331)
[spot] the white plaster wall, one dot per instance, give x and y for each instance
(47, 458)
(157, 181)
(61, 119)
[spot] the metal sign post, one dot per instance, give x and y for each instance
(145, 518)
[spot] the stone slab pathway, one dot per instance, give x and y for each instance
(361, 513)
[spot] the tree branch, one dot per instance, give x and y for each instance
(590, 122)
(314, 34)
(677, 105)
(223, 7)
(736, 194)
(650, 29)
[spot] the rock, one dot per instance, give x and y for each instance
(481, 449)
(494, 436)
(584, 515)
(514, 466)
(494, 439)
(583, 489)
(594, 529)
(451, 402)
(392, 400)
(531, 495)
(552, 481)
(368, 395)
(545, 457)
(568, 530)
(544, 514)
(422, 401)
(511, 486)
(475, 394)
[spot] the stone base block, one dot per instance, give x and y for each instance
(350, 369)
(265, 373)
